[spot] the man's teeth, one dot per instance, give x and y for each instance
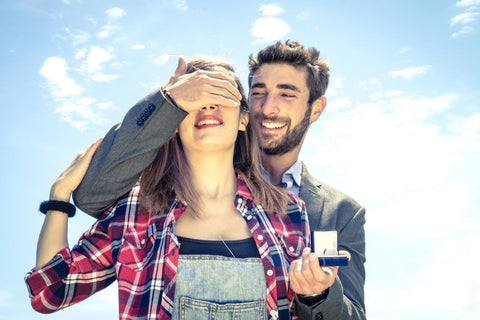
(272, 125)
(206, 122)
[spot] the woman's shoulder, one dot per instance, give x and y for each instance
(128, 203)
(128, 214)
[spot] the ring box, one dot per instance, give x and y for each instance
(324, 245)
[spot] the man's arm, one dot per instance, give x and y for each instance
(330, 209)
(127, 149)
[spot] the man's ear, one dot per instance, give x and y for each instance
(243, 121)
(317, 108)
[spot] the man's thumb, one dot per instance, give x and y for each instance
(181, 68)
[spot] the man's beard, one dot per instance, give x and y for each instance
(290, 140)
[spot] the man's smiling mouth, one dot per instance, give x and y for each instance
(273, 125)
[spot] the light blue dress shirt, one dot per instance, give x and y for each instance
(291, 179)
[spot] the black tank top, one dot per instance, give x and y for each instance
(245, 248)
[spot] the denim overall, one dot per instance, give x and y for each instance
(220, 288)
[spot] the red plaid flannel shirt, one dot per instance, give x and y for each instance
(141, 251)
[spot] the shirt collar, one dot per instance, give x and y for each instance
(242, 189)
(295, 171)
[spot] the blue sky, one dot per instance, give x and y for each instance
(401, 131)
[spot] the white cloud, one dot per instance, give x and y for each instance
(452, 266)
(463, 32)
(270, 10)
(73, 108)
(102, 77)
(269, 29)
(97, 57)
(115, 13)
(93, 66)
(162, 59)
(335, 83)
(138, 46)
(338, 104)
(393, 157)
(107, 31)
(54, 69)
(91, 20)
(180, 5)
(376, 95)
(410, 72)
(81, 107)
(469, 128)
(468, 3)
(79, 112)
(370, 84)
(106, 105)
(78, 37)
(305, 15)
(80, 54)
(392, 93)
(464, 18)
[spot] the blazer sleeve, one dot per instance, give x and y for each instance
(126, 150)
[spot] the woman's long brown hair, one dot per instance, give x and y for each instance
(169, 174)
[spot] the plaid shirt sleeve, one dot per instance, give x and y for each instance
(74, 275)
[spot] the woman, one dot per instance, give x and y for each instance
(202, 236)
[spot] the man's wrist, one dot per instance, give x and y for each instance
(169, 97)
(312, 299)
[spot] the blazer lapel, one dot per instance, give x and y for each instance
(311, 194)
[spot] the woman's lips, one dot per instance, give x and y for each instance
(208, 121)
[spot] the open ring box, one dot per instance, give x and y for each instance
(324, 245)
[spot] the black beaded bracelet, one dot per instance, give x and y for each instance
(57, 205)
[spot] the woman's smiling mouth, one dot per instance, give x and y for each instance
(208, 121)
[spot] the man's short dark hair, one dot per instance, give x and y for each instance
(293, 53)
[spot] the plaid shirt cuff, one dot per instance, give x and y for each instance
(52, 272)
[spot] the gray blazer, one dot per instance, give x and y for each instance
(132, 145)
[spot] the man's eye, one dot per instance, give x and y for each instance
(288, 95)
(256, 93)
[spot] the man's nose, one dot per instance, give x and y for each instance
(270, 105)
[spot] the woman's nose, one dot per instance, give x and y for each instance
(211, 107)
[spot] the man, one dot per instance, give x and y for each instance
(285, 99)
(287, 94)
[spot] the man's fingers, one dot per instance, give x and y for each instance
(222, 100)
(220, 83)
(298, 281)
(293, 278)
(345, 253)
